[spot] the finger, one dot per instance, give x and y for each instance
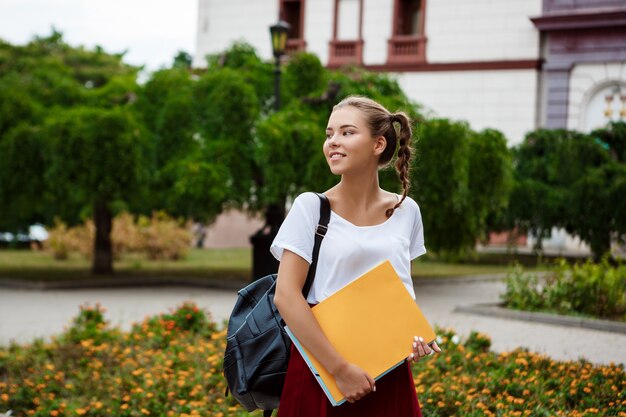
(415, 343)
(436, 347)
(420, 349)
(372, 382)
(427, 349)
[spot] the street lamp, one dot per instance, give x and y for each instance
(279, 33)
(262, 263)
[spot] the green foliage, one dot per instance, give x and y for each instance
(43, 85)
(304, 75)
(490, 180)
(440, 181)
(462, 180)
(227, 109)
(478, 342)
(93, 153)
(523, 290)
(243, 59)
(592, 289)
(22, 202)
(89, 325)
(182, 59)
(595, 207)
(289, 154)
(571, 180)
(613, 139)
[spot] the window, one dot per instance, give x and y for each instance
(409, 18)
(346, 47)
(408, 42)
(292, 12)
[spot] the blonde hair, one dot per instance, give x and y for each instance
(382, 122)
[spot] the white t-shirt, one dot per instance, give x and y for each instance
(347, 250)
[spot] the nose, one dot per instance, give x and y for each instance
(332, 141)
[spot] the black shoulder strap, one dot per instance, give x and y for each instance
(322, 227)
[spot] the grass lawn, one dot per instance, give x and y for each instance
(199, 263)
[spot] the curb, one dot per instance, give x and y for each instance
(459, 280)
(216, 283)
(221, 284)
(497, 311)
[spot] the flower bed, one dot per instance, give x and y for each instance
(170, 365)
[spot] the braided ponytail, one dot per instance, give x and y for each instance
(402, 165)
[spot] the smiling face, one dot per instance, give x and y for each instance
(349, 145)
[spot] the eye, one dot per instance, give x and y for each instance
(328, 136)
(347, 132)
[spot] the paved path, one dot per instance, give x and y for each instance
(25, 314)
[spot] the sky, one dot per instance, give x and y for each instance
(151, 31)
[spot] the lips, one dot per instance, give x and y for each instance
(336, 156)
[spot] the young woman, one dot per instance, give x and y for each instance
(367, 226)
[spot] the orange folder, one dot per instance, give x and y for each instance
(371, 322)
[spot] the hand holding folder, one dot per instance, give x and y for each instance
(371, 322)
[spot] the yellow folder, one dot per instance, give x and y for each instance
(371, 322)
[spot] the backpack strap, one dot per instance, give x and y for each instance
(320, 232)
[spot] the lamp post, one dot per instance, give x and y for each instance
(279, 33)
(262, 262)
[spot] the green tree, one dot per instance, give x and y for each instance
(490, 180)
(183, 60)
(573, 181)
(463, 179)
(94, 157)
(70, 134)
(441, 178)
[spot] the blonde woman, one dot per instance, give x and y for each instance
(367, 225)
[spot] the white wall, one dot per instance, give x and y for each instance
(222, 22)
(481, 30)
(348, 20)
(457, 31)
(503, 100)
(588, 85)
(377, 28)
(318, 27)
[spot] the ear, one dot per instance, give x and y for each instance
(380, 145)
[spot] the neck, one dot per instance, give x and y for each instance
(360, 189)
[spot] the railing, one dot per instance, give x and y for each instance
(406, 49)
(345, 52)
(295, 45)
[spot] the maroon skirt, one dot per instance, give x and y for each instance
(302, 395)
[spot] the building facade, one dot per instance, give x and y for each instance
(512, 65)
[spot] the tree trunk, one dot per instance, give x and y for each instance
(263, 263)
(600, 245)
(103, 255)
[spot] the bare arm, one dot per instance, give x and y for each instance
(353, 382)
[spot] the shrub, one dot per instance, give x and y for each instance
(592, 289)
(163, 237)
(89, 325)
(63, 240)
(159, 237)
